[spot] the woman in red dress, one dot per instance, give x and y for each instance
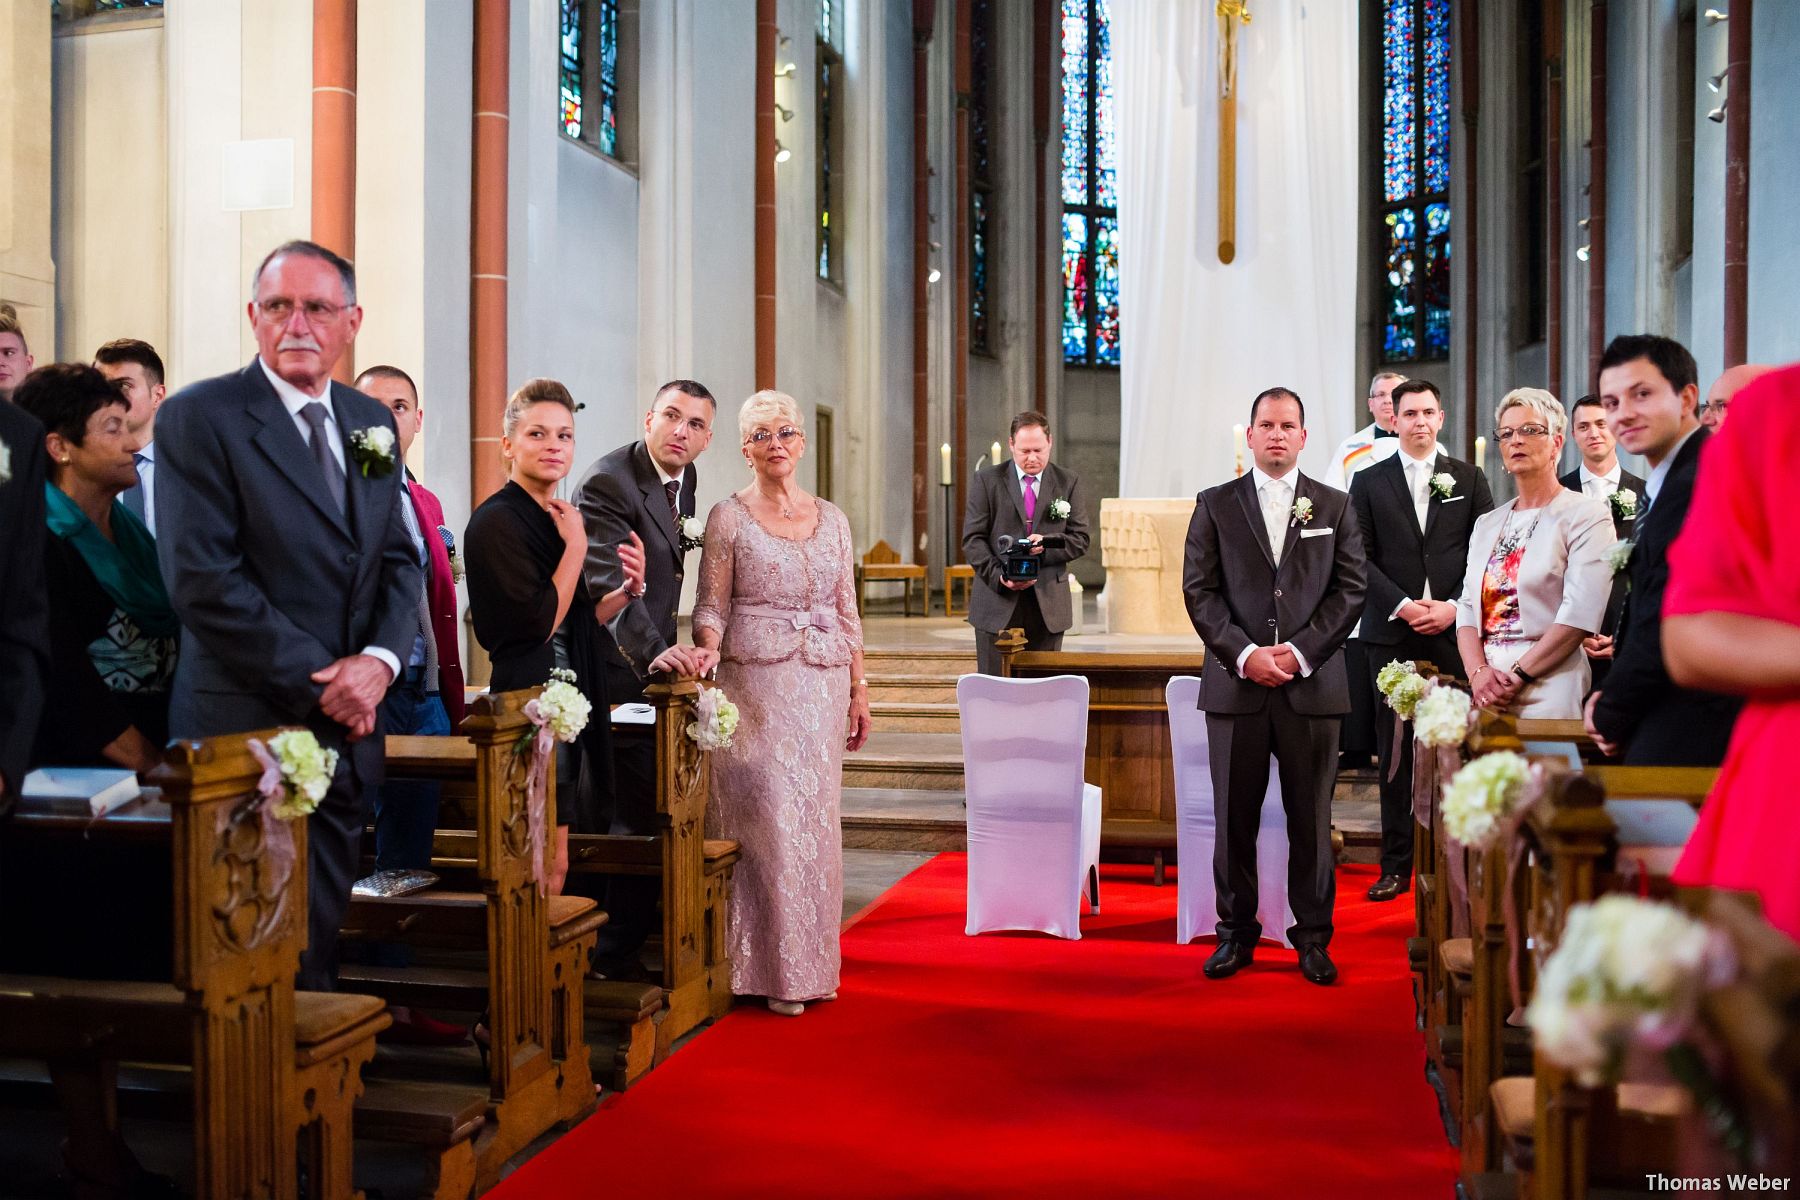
(1731, 623)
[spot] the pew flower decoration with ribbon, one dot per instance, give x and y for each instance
(715, 720)
(1442, 718)
(1407, 694)
(558, 714)
(1480, 798)
(1629, 974)
(1393, 673)
(296, 774)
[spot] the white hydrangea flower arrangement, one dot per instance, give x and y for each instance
(1392, 674)
(1481, 796)
(1627, 971)
(1407, 693)
(716, 719)
(306, 771)
(561, 708)
(1442, 717)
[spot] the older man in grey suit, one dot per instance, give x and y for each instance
(287, 558)
(1023, 503)
(1275, 581)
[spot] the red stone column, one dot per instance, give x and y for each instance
(1737, 184)
(487, 247)
(334, 138)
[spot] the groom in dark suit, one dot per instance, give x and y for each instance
(287, 559)
(1275, 582)
(1415, 511)
(644, 487)
(1019, 502)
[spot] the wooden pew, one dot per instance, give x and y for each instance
(536, 947)
(1562, 1137)
(270, 1070)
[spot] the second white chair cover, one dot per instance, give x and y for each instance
(1197, 906)
(1034, 823)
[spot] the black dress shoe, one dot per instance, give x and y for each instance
(1230, 958)
(1388, 887)
(1317, 966)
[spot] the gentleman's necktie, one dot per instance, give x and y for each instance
(1421, 481)
(134, 495)
(1030, 501)
(673, 488)
(1275, 514)
(316, 416)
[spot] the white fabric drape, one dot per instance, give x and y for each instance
(1199, 339)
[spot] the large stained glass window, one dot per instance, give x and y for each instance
(981, 183)
(1090, 228)
(1415, 180)
(829, 184)
(588, 73)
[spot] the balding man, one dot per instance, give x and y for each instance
(1712, 413)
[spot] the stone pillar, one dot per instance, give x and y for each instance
(487, 247)
(27, 273)
(334, 137)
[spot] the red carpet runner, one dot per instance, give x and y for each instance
(1023, 1065)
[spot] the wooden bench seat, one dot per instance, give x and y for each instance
(633, 1007)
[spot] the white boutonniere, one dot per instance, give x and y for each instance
(5, 462)
(1059, 509)
(1624, 503)
(1303, 511)
(1444, 484)
(693, 533)
(1619, 557)
(373, 451)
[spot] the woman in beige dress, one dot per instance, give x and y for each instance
(1538, 576)
(777, 602)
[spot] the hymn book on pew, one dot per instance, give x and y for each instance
(100, 789)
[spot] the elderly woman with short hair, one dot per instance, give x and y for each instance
(777, 602)
(1538, 576)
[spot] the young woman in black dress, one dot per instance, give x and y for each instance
(524, 550)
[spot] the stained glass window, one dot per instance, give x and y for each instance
(588, 72)
(1089, 187)
(1415, 180)
(830, 136)
(981, 184)
(74, 10)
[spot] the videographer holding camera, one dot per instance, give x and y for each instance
(1026, 521)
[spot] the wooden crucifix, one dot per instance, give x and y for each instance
(1231, 14)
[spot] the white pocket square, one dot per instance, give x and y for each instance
(1453, 499)
(1306, 533)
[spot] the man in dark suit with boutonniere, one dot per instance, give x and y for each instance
(287, 558)
(1599, 476)
(1415, 511)
(644, 487)
(1014, 507)
(1275, 581)
(1651, 390)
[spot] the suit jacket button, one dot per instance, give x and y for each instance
(1271, 620)
(352, 558)
(1278, 593)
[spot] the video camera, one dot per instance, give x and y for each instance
(1017, 561)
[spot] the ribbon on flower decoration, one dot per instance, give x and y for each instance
(1512, 828)
(1449, 762)
(271, 794)
(537, 786)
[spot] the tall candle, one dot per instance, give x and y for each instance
(994, 453)
(944, 458)
(1481, 454)
(1237, 448)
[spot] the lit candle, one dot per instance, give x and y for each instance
(1237, 448)
(1481, 454)
(944, 458)
(994, 453)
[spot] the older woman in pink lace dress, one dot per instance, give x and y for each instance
(777, 602)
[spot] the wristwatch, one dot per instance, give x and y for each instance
(1524, 675)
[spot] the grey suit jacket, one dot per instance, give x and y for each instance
(271, 582)
(1238, 595)
(997, 507)
(622, 493)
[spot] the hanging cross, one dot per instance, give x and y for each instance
(1231, 13)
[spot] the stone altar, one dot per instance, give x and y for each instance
(1141, 546)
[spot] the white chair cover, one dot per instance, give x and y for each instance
(1034, 824)
(1197, 905)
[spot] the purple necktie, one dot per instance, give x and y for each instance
(1030, 501)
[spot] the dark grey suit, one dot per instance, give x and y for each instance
(622, 493)
(273, 582)
(1624, 528)
(996, 508)
(1402, 560)
(24, 620)
(1239, 596)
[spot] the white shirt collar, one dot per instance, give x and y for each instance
(1653, 485)
(1613, 476)
(1020, 475)
(658, 467)
(1261, 480)
(1408, 460)
(148, 450)
(292, 397)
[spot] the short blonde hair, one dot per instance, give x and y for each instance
(1538, 401)
(768, 405)
(534, 391)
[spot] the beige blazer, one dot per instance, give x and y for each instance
(1563, 580)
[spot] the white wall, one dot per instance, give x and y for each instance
(1774, 301)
